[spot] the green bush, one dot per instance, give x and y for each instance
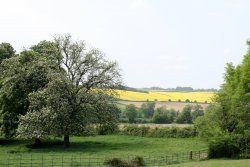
(186, 132)
(143, 120)
(223, 147)
(109, 128)
(134, 130)
(116, 162)
(89, 131)
(138, 161)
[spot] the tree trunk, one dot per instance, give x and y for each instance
(38, 142)
(66, 141)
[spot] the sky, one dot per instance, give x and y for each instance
(165, 43)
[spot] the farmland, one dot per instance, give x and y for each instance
(168, 105)
(165, 96)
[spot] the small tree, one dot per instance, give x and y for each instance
(148, 109)
(185, 115)
(161, 116)
(131, 112)
(197, 112)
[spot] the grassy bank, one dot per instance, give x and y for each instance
(215, 163)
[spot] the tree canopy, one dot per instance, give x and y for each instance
(228, 117)
(57, 88)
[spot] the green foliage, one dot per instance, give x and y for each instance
(197, 111)
(131, 113)
(108, 128)
(135, 130)
(185, 115)
(161, 116)
(78, 92)
(116, 162)
(148, 109)
(21, 75)
(224, 146)
(138, 161)
(169, 132)
(6, 51)
(209, 125)
(229, 116)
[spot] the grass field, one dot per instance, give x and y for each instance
(98, 147)
(215, 163)
(110, 145)
(165, 96)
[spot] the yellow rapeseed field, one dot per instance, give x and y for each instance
(165, 96)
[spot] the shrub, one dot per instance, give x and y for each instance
(109, 128)
(116, 162)
(161, 118)
(138, 161)
(185, 115)
(186, 132)
(224, 147)
(89, 131)
(143, 120)
(134, 130)
(131, 113)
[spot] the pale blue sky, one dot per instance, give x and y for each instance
(164, 43)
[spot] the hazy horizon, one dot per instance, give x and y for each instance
(164, 43)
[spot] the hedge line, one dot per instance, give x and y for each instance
(171, 132)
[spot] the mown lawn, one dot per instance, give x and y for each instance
(215, 163)
(96, 148)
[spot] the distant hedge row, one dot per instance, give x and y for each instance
(171, 132)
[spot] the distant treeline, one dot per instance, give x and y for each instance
(178, 89)
(133, 89)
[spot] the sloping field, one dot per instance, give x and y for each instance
(168, 105)
(166, 96)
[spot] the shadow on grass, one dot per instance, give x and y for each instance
(7, 142)
(85, 146)
(56, 145)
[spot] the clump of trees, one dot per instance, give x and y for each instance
(57, 88)
(227, 121)
(149, 113)
(162, 116)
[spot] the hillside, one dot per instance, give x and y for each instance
(178, 106)
(200, 97)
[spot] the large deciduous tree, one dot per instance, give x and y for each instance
(6, 51)
(77, 94)
(228, 117)
(21, 75)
